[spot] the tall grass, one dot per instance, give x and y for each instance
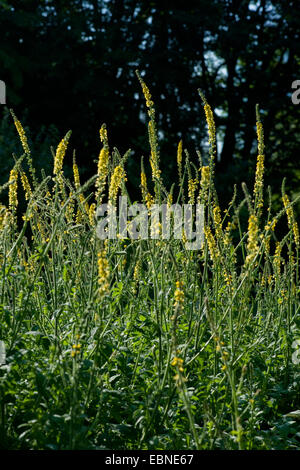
(143, 344)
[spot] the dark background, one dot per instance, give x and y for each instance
(71, 65)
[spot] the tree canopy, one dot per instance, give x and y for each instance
(72, 64)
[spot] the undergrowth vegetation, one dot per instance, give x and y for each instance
(144, 344)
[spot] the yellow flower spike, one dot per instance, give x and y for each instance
(103, 272)
(212, 246)
(102, 172)
(218, 222)
(210, 123)
(228, 278)
(154, 157)
(147, 95)
(227, 237)
(137, 271)
(92, 210)
(13, 190)
(143, 180)
(117, 178)
(258, 184)
(26, 186)
(277, 260)
(291, 219)
(179, 294)
(3, 217)
(179, 159)
(205, 177)
(76, 174)
(22, 134)
(252, 245)
(148, 199)
(192, 186)
(296, 233)
(204, 183)
(60, 153)
(70, 209)
(267, 245)
(81, 196)
(103, 134)
(260, 133)
(25, 145)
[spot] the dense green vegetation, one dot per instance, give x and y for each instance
(143, 344)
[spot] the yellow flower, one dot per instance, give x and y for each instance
(291, 220)
(147, 96)
(149, 200)
(76, 175)
(260, 136)
(103, 272)
(75, 350)
(81, 196)
(179, 159)
(179, 294)
(225, 355)
(92, 214)
(22, 135)
(115, 183)
(137, 270)
(204, 182)
(258, 185)
(277, 259)
(252, 245)
(192, 186)
(205, 177)
(102, 172)
(26, 186)
(177, 362)
(60, 153)
(3, 217)
(211, 124)
(271, 225)
(296, 232)
(218, 222)
(70, 209)
(154, 157)
(213, 248)
(13, 190)
(228, 278)
(103, 134)
(267, 245)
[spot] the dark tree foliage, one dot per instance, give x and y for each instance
(72, 64)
